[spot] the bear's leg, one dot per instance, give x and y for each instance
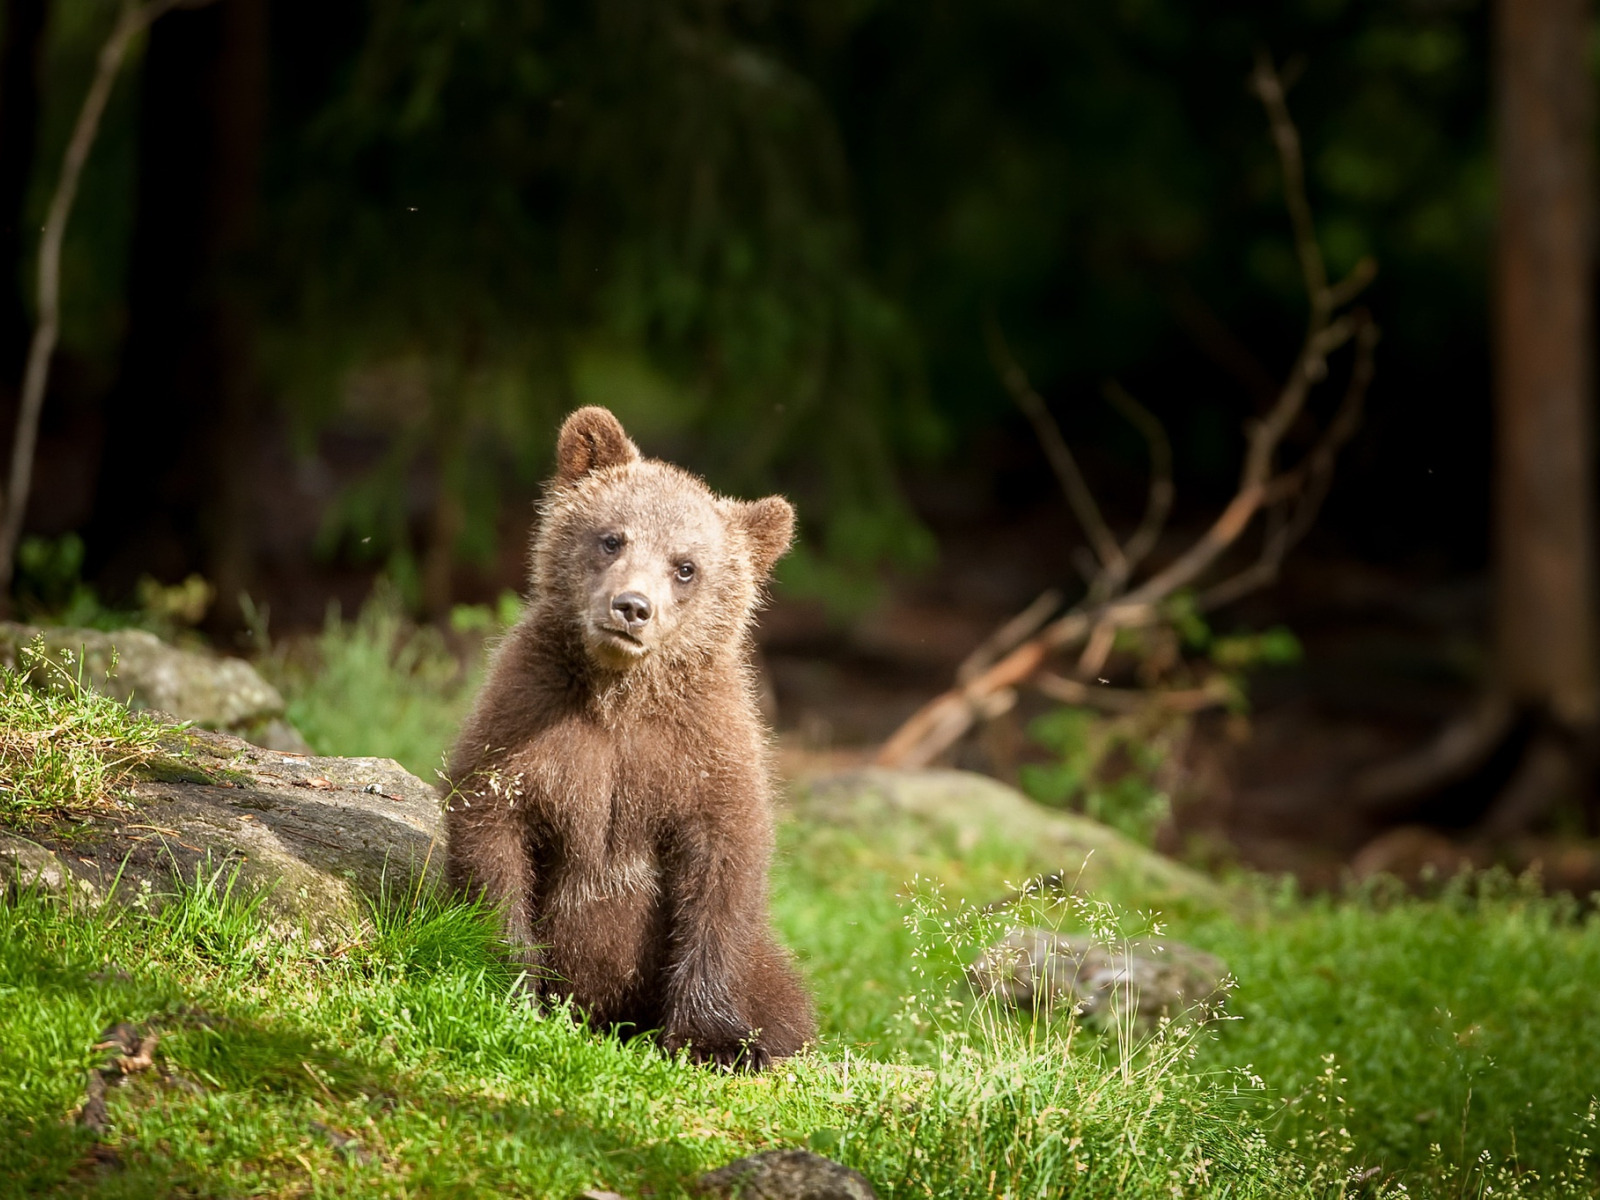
(717, 903)
(776, 1004)
(488, 861)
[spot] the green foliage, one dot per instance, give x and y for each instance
(483, 620)
(1275, 647)
(50, 590)
(380, 685)
(1106, 768)
(643, 206)
(64, 746)
(49, 572)
(48, 585)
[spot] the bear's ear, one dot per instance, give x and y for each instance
(591, 439)
(769, 525)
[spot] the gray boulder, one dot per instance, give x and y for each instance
(212, 691)
(785, 1175)
(1040, 969)
(959, 810)
(316, 838)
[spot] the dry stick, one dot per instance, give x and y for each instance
(1158, 504)
(944, 720)
(1268, 87)
(1056, 450)
(1126, 700)
(1309, 483)
(1011, 633)
(132, 20)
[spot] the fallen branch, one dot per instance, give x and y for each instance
(1110, 604)
(1012, 633)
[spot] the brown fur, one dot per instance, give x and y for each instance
(612, 787)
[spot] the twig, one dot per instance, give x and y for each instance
(1125, 700)
(1307, 483)
(131, 21)
(1012, 632)
(1056, 450)
(1269, 89)
(1158, 504)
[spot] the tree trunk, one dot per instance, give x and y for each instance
(174, 485)
(20, 52)
(1545, 636)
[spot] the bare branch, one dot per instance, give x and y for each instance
(133, 19)
(1127, 700)
(946, 719)
(1307, 484)
(1269, 89)
(1158, 504)
(1353, 284)
(1056, 450)
(1102, 638)
(1009, 635)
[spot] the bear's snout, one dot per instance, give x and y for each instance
(632, 609)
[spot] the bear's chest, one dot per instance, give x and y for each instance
(595, 791)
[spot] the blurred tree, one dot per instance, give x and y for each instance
(640, 204)
(174, 485)
(765, 231)
(1546, 605)
(21, 48)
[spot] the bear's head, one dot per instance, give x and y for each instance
(642, 560)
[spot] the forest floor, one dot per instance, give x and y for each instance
(1378, 1044)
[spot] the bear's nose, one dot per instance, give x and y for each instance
(632, 608)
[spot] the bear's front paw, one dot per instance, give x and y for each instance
(728, 1049)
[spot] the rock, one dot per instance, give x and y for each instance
(960, 809)
(25, 864)
(1039, 969)
(1415, 854)
(785, 1175)
(212, 691)
(317, 838)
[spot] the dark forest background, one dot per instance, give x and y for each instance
(337, 270)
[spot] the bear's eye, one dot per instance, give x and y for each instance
(611, 543)
(685, 572)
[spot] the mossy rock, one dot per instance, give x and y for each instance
(319, 840)
(212, 691)
(953, 812)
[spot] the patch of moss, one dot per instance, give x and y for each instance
(174, 769)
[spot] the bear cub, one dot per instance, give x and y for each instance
(612, 789)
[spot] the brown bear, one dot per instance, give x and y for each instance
(612, 789)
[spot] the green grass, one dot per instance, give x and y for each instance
(410, 1044)
(1443, 1042)
(62, 745)
(377, 686)
(1439, 1046)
